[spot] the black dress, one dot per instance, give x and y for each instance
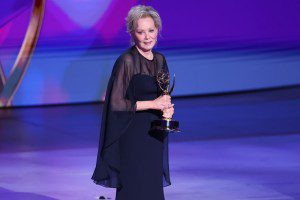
(131, 158)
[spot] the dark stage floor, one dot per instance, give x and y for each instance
(232, 147)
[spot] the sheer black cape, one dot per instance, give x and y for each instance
(118, 113)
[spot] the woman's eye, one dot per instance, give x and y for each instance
(151, 31)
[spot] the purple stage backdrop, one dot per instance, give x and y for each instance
(80, 39)
(101, 22)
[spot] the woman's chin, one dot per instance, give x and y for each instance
(147, 48)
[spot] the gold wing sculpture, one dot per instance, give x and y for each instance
(9, 86)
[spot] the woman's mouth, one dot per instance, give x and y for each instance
(147, 43)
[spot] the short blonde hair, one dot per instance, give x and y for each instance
(141, 11)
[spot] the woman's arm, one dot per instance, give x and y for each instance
(160, 103)
(144, 105)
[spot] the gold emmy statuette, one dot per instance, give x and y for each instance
(165, 124)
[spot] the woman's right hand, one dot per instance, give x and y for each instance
(162, 102)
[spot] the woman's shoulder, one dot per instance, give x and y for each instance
(127, 56)
(124, 62)
(159, 55)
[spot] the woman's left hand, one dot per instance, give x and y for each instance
(168, 112)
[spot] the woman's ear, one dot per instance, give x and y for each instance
(132, 34)
(132, 38)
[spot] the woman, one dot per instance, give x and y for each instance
(132, 158)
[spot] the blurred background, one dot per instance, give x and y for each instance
(212, 46)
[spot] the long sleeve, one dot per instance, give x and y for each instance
(121, 78)
(118, 113)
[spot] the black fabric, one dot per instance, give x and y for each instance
(127, 150)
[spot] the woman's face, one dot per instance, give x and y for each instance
(145, 34)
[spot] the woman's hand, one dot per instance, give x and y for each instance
(168, 112)
(162, 102)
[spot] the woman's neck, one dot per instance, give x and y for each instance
(146, 54)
